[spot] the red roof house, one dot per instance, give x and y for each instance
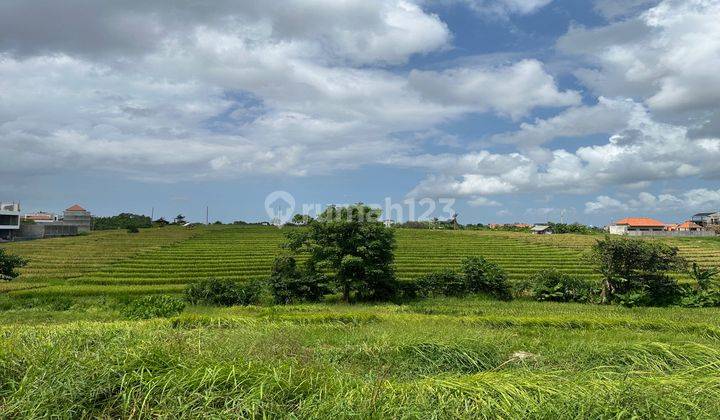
(636, 224)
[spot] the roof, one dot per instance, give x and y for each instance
(539, 228)
(640, 222)
(688, 224)
(76, 207)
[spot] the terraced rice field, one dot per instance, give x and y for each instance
(163, 260)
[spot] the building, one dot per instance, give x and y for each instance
(9, 220)
(632, 225)
(707, 219)
(41, 217)
(77, 216)
(541, 230)
(687, 226)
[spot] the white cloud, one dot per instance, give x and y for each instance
(511, 90)
(667, 56)
(608, 115)
(641, 152)
(481, 201)
(699, 199)
(503, 7)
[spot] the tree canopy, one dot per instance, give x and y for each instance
(351, 246)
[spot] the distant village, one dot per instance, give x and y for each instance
(76, 220)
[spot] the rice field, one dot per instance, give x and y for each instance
(67, 352)
(162, 260)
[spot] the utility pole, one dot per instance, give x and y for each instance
(152, 214)
(207, 215)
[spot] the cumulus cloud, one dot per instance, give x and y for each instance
(170, 91)
(643, 151)
(363, 31)
(608, 115)
(511, 90)
(699, 199)
(666, 56)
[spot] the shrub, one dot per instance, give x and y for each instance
(482, 276)
(651, 290)
(703, 276)
(445, 282)
(700, 298)
(288, 284)
(8, 264)
(554, 286)
(224, 292)
(133, 229)
(153, 306)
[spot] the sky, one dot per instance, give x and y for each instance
(508, 110)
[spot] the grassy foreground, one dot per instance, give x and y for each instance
(465, 358)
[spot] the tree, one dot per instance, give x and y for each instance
(122, 221)
(353, 248)
(634, 265)
(301, 219)
(179, 219)
(161, 222)
(8, 264)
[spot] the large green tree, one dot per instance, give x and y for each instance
(351, 246)
(628, 265)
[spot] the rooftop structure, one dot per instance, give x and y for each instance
(541, 230)
(41, 217)
(636, 224)
(78, 216)
(9, 220)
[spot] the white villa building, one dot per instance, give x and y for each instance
(9, 220)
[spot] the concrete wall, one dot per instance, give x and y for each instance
(693, 233)
(47, 230)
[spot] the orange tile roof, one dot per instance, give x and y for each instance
(688, 224)
(76, 207)
(640, 222)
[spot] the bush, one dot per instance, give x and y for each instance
(700, 299)
(133, 229)
(288, 284)
(152, 307)
(224, 292)
(445, 282)
(554, 286)
(651, 290)
(482, 276)
(8, 264)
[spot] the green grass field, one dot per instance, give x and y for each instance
(66, 352)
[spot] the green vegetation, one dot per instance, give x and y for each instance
(152, 307)
(8, 264)
(353, 248)
(122, 221)
(95, 327)
(469, 358)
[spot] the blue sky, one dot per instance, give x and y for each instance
(518, 110)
